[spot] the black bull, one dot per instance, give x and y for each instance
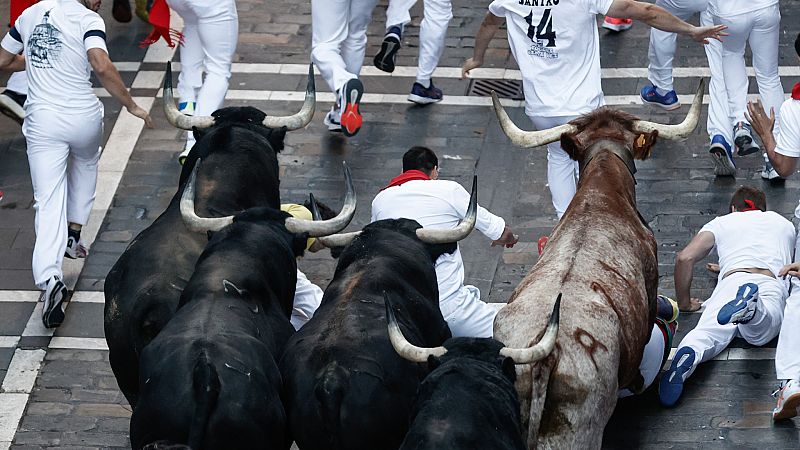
(344, 385)
(210, 379)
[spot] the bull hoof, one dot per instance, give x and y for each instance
(121, 10)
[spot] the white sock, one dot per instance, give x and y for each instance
(425, 83)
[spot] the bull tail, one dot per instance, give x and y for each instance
(329, 393)
(206, 388)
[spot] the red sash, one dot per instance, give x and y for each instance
(750, 206)
(17, 6)
(158, 17)
(408, 175)
(796, 92)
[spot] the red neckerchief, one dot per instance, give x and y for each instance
(408, 175)
(17, 6)
(750, 206)
(158, 17)
(796, 92)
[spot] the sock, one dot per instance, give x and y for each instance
(425, 83)
(396, 30)
(75, 234)
(661, 92)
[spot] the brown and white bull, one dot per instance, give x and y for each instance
(602, 258)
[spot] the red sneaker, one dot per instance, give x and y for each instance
(614, 24)
(350, 98)
(541, 243)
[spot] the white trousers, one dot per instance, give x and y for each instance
(761, 30)
(339, 38)
(662, 54)
(709, 338)
(467, 315)
(210, 32)
(432, 33)
(787, 355)
(652, 359)
(307, 297)
(63, 151)
(18, 82)
(562, 171)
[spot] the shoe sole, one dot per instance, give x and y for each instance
(351, 119)
(617, 28)
(671, 107)
(732, 311)
(384, 60)
(722, 165)
(791, 408)
(54, 315)
(671, 385)
(422, 100)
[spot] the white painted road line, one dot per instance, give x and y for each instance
(11, 408)
(8, 341)
(22, 371)
(19, 296)
(78, 343)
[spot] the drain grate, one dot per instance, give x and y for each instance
(505, 88)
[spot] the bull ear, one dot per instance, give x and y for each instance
(643, 145)
(509, 368)
(433, 363)
(572, 146)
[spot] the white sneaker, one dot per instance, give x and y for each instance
(332, 120)
(53, 297)
(788, 401)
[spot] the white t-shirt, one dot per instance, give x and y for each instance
(728, 8)
(557, 48)
(788, 137)
(55, 35)
(752, 239)
(436, 204)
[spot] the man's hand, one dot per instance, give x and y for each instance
(137, 111)
(792, 270)
(713, 267)
(469, 64)
(508, 238)
(703, 34)
(758, 119)
(694, 304)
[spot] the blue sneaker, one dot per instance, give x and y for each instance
(720, 152)
(423, 96)
(671, 386)
(668, 101)
(742, 308)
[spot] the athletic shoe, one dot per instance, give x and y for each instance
(743, 138)
(121, 11)
(12, 104)
(424, 96)
(54, 296)
(74, 248)
(671, 386)
(384, 60)
(614, 24)
(742, 308)
(788, 401)
(668, 101)
(667, 309)
(332, 120)
(187, 108)
(769, 172)
(350, 98)
(720, 152)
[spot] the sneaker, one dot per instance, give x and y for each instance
(720, 152)
(743, 138)
(384, 60)
(424, 96)
(54, 296)
(742, 308)
(670, 387)
(74, 248)
(667, 309)
(614, 24)
(187, 108)
(12, 104)
(668, 101)
(350, 98)
(788, 401)
(769, 172)
(332, 120)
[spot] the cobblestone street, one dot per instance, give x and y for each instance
(58, 390)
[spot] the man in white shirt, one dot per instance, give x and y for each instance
(753, 246)
(418, 194)
(557, 48)
(783, 154)
(63, 41)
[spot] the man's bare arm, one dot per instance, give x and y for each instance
(658, 17)
(110, 79)
(763, 126)
(10, 62)
(488, 29)
(698, 248)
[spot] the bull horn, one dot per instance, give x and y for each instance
(306, 113)
(177, 118)
(462, 230)
(401, 345)
(190, 218)
(317, 228)
(683, 129)
(335, 240)
(527, 138)
(543, 347)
